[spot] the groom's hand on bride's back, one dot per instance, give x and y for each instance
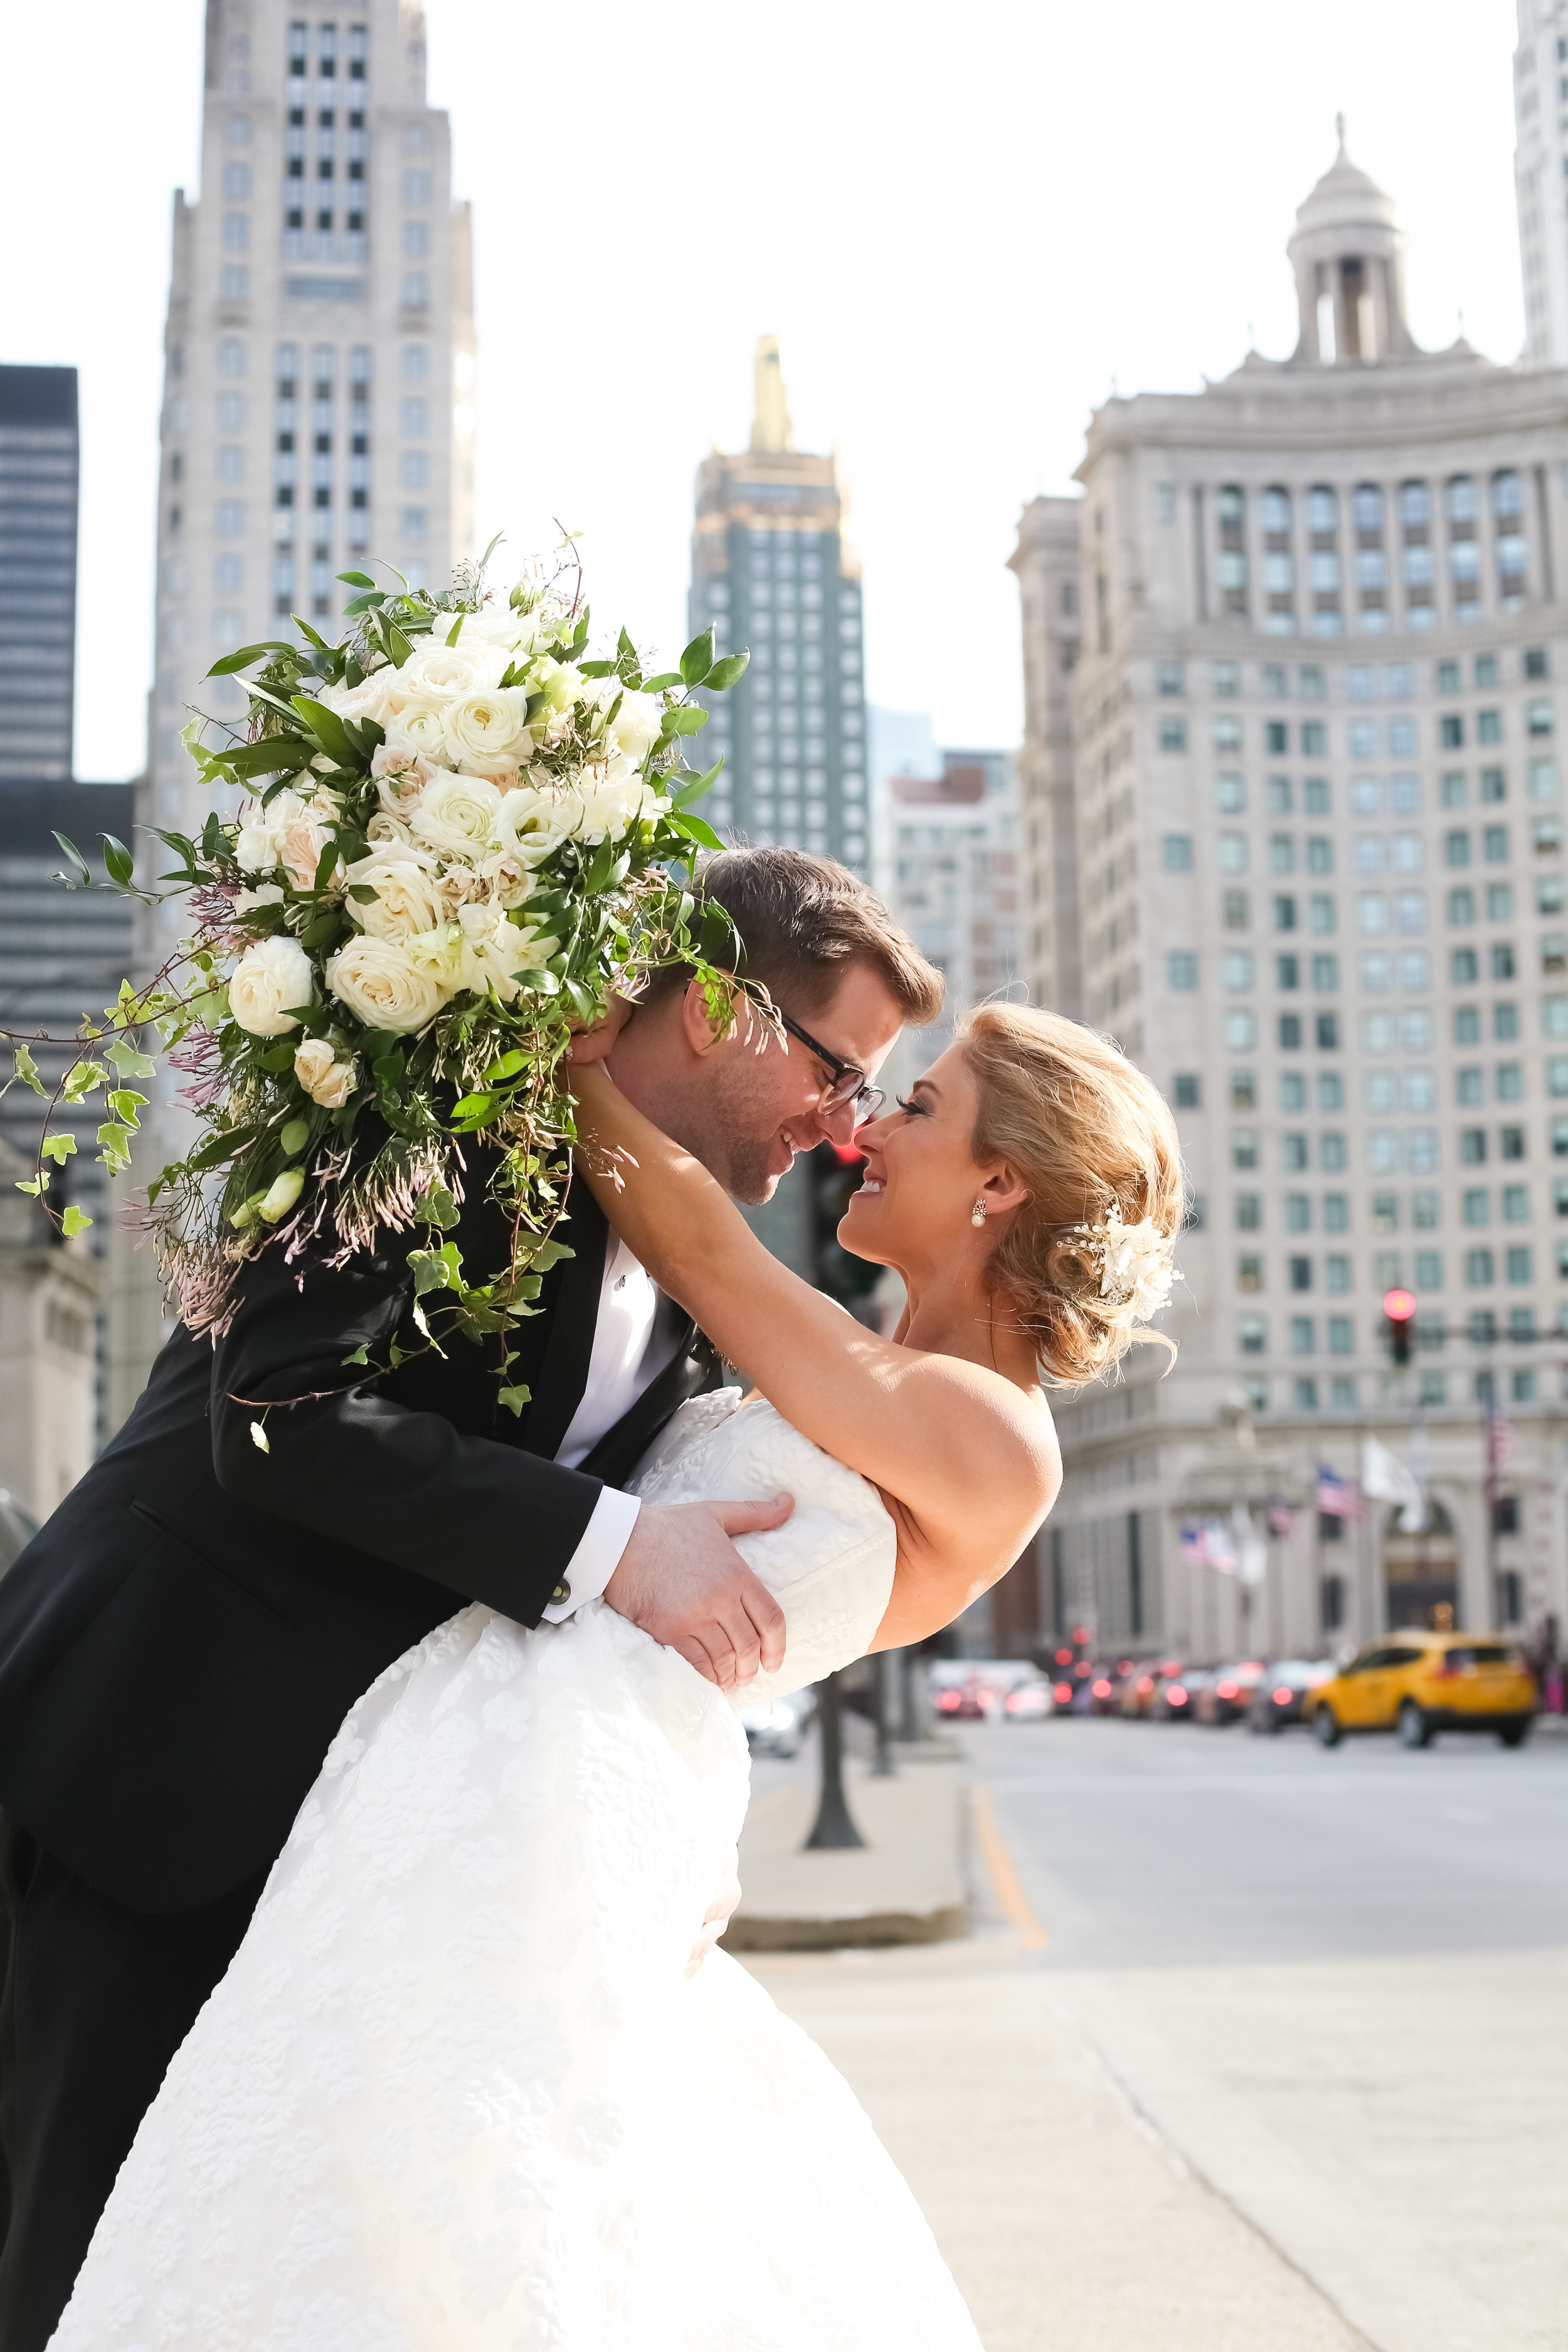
(682, 1581)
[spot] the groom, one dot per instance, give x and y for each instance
(181, 1642)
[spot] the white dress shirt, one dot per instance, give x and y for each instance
(630, 1354)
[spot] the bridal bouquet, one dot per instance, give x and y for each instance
(454, 834)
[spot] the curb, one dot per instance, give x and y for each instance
(875, 1930)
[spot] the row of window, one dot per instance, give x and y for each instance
(1368, 505)
(1358, 682)
(1307, 1395)
(355, 52)
(1364, 739)
(1396, 795)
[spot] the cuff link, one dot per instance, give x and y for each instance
(562, 1592)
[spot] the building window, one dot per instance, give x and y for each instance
(1480, 1270)
(1178, 852)
(1180, 970)
(1187, 1090)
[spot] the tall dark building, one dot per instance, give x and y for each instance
(771, 570)
(37, 572)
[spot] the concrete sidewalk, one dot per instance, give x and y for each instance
(908, 1885)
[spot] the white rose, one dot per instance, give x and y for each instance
(400, 776)
(531, 823)
(440, 956)
(303, 841)
(387, 831)
(261, 830)
(269, 979)
(325, 1079)
(494, 950)
(435, 673)
(457, 816)
(634, 730)
(606, 801)
(487, 732)
(379, 985)
(418, 732)
(406, 898)
(374, 697)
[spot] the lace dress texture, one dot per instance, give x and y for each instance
(455, 2093)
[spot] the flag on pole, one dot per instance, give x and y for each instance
(1384, 1475)
(1281, 1518)
(1337, 1496)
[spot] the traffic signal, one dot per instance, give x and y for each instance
(835, 1173)
(1398, 1309)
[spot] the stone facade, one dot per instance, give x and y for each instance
(39, 465)
(953, 879)
(48, 1304)
(1541, 177)
(1296, 663)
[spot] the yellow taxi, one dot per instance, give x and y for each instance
(1417, 1683)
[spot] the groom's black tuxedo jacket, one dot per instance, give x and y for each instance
(181, 1641)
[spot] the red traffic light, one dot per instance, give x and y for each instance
(1398, 1306)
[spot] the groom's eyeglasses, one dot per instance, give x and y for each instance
(846, 1085)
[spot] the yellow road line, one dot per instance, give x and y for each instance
(1003, 1878)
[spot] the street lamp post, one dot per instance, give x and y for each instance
(833, 1826)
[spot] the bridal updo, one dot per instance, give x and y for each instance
(1095, 1143)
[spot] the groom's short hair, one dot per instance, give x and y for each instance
(801, 922)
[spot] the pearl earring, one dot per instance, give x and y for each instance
(977, 1214)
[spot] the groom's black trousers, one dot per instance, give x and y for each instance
(94, 2003)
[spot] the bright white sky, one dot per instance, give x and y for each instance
(962, 223)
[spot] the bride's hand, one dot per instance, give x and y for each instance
(593, 1045)
(716, 1919)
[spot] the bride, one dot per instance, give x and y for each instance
(459, 2091)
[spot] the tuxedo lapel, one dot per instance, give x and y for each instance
(693, 1368)
(563, 1375)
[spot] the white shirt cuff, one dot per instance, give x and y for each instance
(598, 1554)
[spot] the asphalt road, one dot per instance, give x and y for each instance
(1334, 1985)
(1173, 1845)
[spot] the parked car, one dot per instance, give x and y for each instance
(1420, 1683)
(1175, 1695)
(1105, 1684)
(1281, 1697)
(1226, 1698)
(1137, 1691)
(775, 1726)
(971, 1690)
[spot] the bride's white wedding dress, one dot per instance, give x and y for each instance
(455, 2093)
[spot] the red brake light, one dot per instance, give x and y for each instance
(1064, 1657)
(1083, 1667)
(1225, 1690)
(947, 1701)
(1283, 1694)
(1064, 1694)
(1176, 1695)
(1101, 1690)
(1145, 1684)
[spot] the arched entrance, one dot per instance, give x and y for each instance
(1421, 1572)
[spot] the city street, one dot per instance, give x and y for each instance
(1252, 2044)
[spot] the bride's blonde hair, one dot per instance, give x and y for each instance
(1092, 1138)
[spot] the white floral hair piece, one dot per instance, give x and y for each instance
(1136, 1261)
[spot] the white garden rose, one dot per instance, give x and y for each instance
(387, 831)
(493, 951)
(379, 985)
(302, 843)
(262, 828)
(634, 730)
(487, 733)
(419, 733)
(375, 696)
(531, 823)
(457, 816)
(268, 980)
(606, 801)
(406, 898)
(325, 1079)
(437, 672)
(440, 957)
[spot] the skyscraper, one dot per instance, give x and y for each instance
(319, 372)
(319, 351)
(1541, 176)
(770, 570)
(1292, 667)
(38, 465)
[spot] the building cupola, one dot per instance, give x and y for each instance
(1348, 254)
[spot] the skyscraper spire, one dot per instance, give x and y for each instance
(771, 427)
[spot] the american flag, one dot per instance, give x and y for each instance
(1338, 1497)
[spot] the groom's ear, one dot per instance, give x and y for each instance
(702, 1027)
